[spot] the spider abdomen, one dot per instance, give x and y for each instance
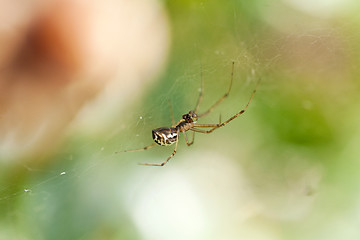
(164, 136)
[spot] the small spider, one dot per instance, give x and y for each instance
(166, 136)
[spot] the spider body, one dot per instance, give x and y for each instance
(166, 136)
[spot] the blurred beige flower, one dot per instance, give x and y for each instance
(58, 56)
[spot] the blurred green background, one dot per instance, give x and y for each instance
(286, 169)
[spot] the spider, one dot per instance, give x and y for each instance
(166, 136)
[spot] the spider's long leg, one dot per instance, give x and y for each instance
(222, 98)
(215, 126)
(171, 113)
(201, 93)
(139, 149)
(206, 125)
(186, 140)
(163, 163)
(199, 130)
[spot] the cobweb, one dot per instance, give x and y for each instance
(86, 166)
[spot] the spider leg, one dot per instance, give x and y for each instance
(186, 140)
(201, 93)
(198, 130)
(222, 98)
(163, 163)
(139, 149)
(206, 125)
(215, 126)
(171, 113)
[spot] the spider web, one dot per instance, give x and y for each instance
(87, 164)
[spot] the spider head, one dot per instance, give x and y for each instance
(190, 117)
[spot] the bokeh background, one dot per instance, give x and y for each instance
(80, 81)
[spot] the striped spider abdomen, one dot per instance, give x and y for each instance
(165, 136)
